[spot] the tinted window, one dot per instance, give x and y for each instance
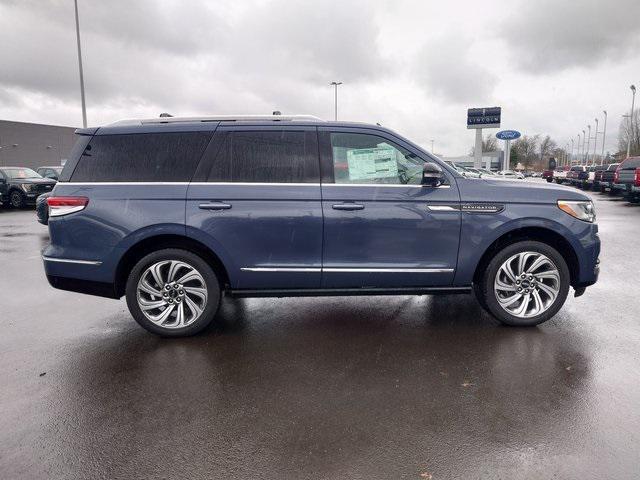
(613, 166)
(631, 164)
(363, 158)
(267, 157)
(147, 157)
(18, 173)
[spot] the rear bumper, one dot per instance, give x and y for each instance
(83, 286)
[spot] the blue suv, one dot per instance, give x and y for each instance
(172, 212)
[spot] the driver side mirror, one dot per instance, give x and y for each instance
(432, 175)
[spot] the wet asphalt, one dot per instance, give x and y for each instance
(327, 388)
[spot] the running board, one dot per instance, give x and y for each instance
(340, 292)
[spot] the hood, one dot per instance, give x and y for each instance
(515, 191)
(37, 181)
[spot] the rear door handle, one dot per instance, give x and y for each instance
(214, 206)
(348, 206)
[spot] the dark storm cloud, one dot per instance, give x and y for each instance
(187, 55)
(548, 35)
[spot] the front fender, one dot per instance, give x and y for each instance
(480, 231)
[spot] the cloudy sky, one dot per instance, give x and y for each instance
(412, 65)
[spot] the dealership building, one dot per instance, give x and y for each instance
(33, 144)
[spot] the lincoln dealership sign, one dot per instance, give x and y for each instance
(484, 117)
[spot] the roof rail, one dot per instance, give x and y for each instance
(221, 118)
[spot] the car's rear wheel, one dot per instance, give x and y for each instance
(17, 199)
(525, 284)
(173, 293)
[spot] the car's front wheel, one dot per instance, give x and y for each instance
(525, 284)
(17, 199)
(173, 293)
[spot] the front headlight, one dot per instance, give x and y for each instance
(582, 210)
(27, 187)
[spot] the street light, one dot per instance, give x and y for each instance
(335, 85)
(578, 149)
(586, 157)
(604, 135)
(584, 140)
(633, 100)
(571, 156)
(84, 107)
(595, 142)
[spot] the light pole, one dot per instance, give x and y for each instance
(84, 107)
(571, 156)
(432, 141)
(604, 135)
(586, 157)
(633, 100)
(584, 143)
(595, 142)
(578, 149)
(335, 86)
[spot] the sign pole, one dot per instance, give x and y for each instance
(507, 155)
(477, 152)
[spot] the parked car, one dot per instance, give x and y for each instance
(511, 174)
(627, 176)
(597, 176)
(464, 171)
(548, 175)
(574, 173)
(50, 172)
(606, 182)
(560, 174)
(174, 212)
(20, 186)
(42, 208)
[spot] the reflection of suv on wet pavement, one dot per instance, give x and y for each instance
(173, 212)
(21, 186)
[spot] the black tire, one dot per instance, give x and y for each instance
(211, 281)
(549, 180)
(17, 199)
(487, 297)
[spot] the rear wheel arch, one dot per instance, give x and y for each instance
(160, 242)
(539, 234)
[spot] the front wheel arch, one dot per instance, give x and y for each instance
(539, 234)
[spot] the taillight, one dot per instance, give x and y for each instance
(59, 206)
(616, 176)
(637, 181)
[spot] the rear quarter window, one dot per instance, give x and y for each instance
(145, 157)
(631, 164)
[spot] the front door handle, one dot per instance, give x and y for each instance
(348, 206)
(214, 206)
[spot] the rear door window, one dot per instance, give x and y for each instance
(266, 156)
(146, 157)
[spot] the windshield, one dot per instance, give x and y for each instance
(17, 173)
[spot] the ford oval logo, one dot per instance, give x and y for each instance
(508, 135)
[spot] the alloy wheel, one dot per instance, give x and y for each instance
(527, 284)
(172, 294)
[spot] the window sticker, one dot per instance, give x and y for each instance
(372, 163)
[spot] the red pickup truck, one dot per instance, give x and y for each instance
(548, 175)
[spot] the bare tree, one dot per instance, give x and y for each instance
(525, 148)
(489, 144)
(547, 146)
(626, 131)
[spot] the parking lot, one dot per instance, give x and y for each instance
(354, 387)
